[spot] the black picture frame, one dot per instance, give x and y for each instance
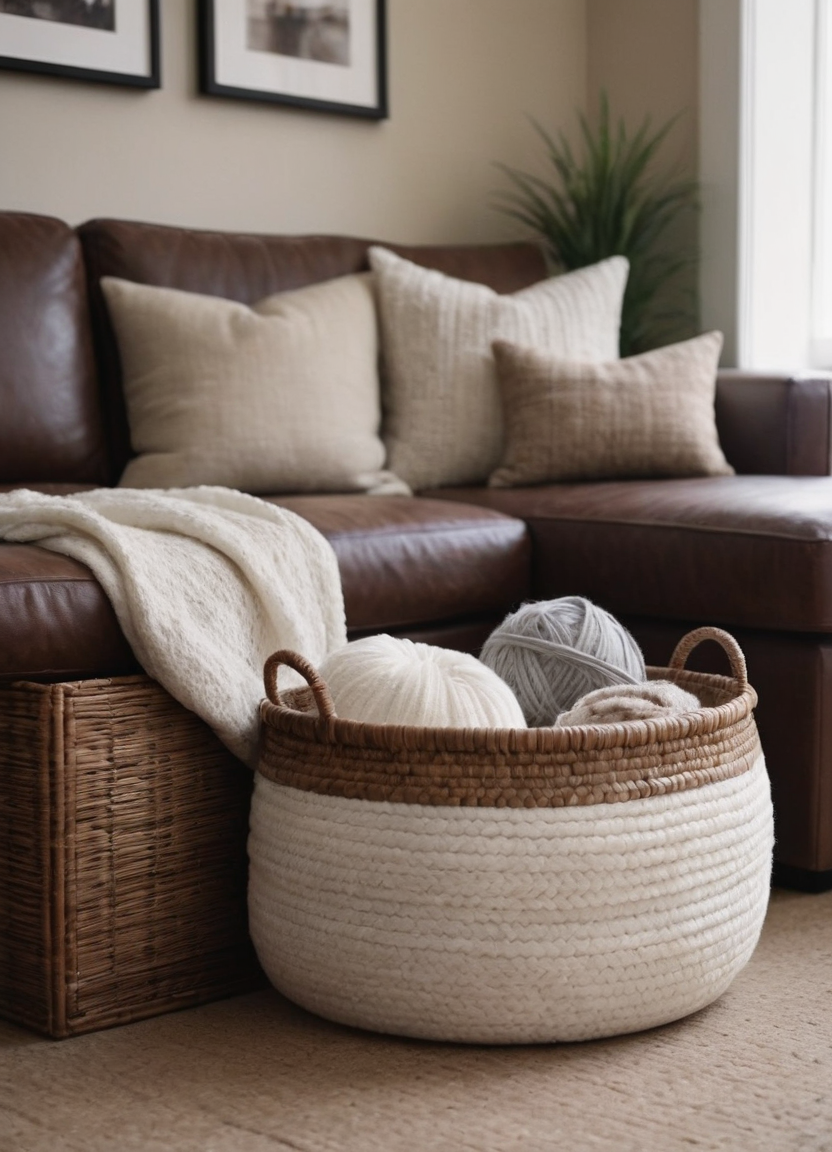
(148, 77)
(211, 84)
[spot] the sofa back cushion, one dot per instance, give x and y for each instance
(279, 397)
(444, 423)
(247, 268)
(51, 428)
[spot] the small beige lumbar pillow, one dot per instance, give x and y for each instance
(442, 403)
(280, 397)
(647, 415)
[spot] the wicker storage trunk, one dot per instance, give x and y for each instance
(503, 886)
(122, 857)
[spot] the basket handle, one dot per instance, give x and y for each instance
(726, 641)
(286, 656)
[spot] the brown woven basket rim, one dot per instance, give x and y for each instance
(305, 745)
(582, 738)
(79, 683)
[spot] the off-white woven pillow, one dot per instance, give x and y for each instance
(648, 415)
(443, 423)
(281, 397)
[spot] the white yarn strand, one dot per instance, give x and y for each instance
(552, 652)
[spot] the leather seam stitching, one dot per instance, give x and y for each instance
(761, 534)
(343, 534)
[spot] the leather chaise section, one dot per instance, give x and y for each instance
(406, 564)
(747, 551)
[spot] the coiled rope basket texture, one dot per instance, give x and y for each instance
(514, 885)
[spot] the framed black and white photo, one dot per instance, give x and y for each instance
(108, 41)
(328, 55)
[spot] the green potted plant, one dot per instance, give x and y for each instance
(610, 200)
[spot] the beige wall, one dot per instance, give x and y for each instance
(645, 54)
(464, 74)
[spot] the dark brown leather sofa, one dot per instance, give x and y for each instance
(752, 552)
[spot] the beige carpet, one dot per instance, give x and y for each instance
(752, 1073)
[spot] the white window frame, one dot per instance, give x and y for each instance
(820, 352)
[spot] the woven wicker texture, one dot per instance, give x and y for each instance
(537, 767)
(514, 917)
(507, 926)
(122, 856)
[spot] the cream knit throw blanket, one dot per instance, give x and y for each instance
(205, 582)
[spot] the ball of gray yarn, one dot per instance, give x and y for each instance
(552, 652)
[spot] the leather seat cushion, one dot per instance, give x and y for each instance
(406, 565)
(752, 551)
(407, 562)
(55, 619)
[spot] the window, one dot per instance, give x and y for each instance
(766, 171)
(821, 324)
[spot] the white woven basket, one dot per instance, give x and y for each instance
(511, 886)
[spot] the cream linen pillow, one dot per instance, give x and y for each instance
(281, 397)
(443, 422)
(648, 415)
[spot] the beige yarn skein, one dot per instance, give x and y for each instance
(387, 680)
(552, 652)
(617, 703)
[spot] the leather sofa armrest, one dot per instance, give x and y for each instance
(774, 424)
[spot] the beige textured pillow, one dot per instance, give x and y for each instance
(281, 397)
(648, 415)
(443, 422)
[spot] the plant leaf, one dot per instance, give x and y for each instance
(607, 198)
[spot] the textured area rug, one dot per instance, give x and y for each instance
(752, 1073)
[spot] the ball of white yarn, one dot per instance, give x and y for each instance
(619, 702)
(552, 652)
(386, 680)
